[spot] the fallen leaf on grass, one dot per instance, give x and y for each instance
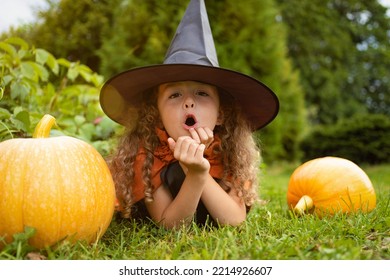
(35, 256)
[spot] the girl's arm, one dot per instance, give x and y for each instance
(225, 208)
(198, 184)
(173, 212)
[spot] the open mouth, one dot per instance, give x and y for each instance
(190, 121)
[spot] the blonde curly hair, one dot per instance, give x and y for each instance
(239, 150)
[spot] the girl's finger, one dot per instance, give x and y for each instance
(181, 147)
(177, 148)
(200, 151)
(171, 143)
(209, 132)
(192, 150)
(206, 135)
(195, 135)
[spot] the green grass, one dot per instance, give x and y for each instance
(271, 232)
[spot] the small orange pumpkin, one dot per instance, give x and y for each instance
(329, 185)
(61, 186)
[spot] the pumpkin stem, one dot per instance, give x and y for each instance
(42, 130)
(304, 204)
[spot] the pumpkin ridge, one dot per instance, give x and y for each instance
(25, 146)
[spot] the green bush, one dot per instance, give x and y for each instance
(362, 139)
(33, 83)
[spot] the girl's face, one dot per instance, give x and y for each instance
(187, 104)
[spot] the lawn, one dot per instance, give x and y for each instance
(271, 232)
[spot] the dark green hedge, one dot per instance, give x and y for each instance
(362, 139)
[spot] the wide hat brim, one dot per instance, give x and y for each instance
(121, 93)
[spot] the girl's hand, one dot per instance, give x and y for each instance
(189, 152)
(202, 135)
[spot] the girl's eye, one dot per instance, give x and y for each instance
(174, 95)
(202, 93)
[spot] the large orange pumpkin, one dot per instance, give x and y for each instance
(328, 185)
(61, 186)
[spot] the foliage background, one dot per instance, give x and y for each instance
(34, 83)
(328, 61)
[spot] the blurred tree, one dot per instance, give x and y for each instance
(71, 29)
(251, 39)
(143, 31)
(115, 35)
(342, 51)
(339, 47)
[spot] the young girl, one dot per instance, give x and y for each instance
(188, 152)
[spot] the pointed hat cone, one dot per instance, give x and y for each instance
(190, 57)
(193, 42)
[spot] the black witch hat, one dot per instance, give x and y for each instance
(190, 57)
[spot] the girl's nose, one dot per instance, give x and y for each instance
(189, 103)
